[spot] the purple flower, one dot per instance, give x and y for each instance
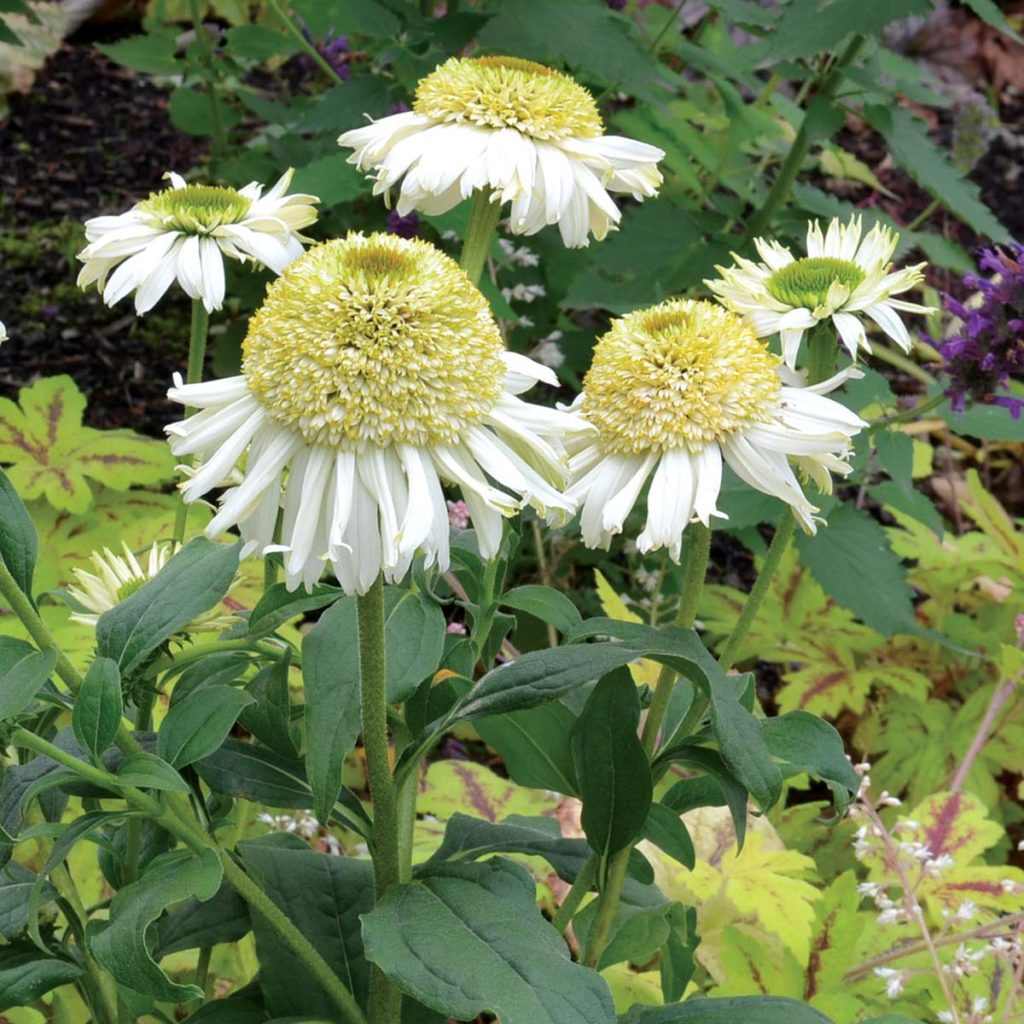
(333, 49)
(988, 351)
(404, 227)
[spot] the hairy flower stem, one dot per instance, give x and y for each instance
(196, 360)
(173, 812)
(483, 221)
(698, 552)
(385, 999)
(802, 143)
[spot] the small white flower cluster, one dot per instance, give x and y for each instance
(548, 351)
(518, 256)
(304, 825)
(977, 1013)
(523, 292)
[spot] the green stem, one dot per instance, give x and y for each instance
(196, 361)
(608, 907)
(821, 353)
(923, 215)
(780, 542)
(583, 884)
(220, 138)
(904, 363)
(308, 48)
(698, 552)
(908, 414)
(802, 143)
(385, 999)
(483, 221)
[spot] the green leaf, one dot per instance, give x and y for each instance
(192, 582)
(19, 543)
(195, 727)
(807, 743)
(147, 771)
(991, 14)
(54, 456)
(852, 560)
(196, 923)
(324, 897)
(190, 111)
(154, 55)
(359, 17)
(666, 829)
(16, 886)
(544, 603)
(414, 631)
(98, 707)
(330, 681)
(20, 683)
(279, 605)
(121, 944)
(534, 745)
(26, 974)
(745, 1009)
(497, 954)
(257, 42)
(612, 770)
(907, 140)
(331, 178)
(268, 718)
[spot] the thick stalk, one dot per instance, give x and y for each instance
(385, 998)
(174, 814)
(196, 360)
(802, 143)
(777, 548)
(483, 220)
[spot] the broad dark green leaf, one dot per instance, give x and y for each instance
(16, 886)
(19, 543)
(639, 928)
(330, 681)
(677, 962)
(510, 961)
(192, 582)
(195, 923)
(197, 726)
(98, 707)
(613, 773)
(852, 560)
(20, 683)
(279, 605)
(120, 944)
(324, 897)
(545, 603)
(250, 773)
(147, 771)
(414, 639)
(268, 718)
(665, 828)
(26, 974)
(745, 1009)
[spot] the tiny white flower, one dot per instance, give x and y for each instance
(184, 232)
(894, 980)
(548, 352)
(966, 911)
(518, 256)
(841, 276)
(523, 292)
(937, 866)
(522, 133)
(675, 392)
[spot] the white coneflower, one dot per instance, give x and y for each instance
(3, 332)
(523, 132)
(841, 276)
(184, 232)
(117, 577)
(373, 372)
(674, 391)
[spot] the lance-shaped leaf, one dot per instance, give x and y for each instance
(26, 974)
(53, 455)
(497, 953)
(19, 543)
(192, 582)
(121, 945)
(97, 713)
(22, 679)
(745, 1009)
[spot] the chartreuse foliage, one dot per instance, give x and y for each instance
(184, 822)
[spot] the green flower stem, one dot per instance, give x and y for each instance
(220, 138)
(173, 814)
(606, 911)
(783, 535)
(822, 350)
(698, 552)
(483, 221)
(385, 999)
(196, 360)
(802, 143)
(307, 47)
(902, 362)
(580, 888)
(919, 410)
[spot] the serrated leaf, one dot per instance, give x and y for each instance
(192, 582)
(195, 727)
(120, 944)
(19, 543)
(98, 707)
(53, 455)
(152, 54)
(511, 962)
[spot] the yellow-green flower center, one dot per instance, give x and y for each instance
(129, 587)
(379, 340)
(806, 283)
(682, 374)
(506, 92)
(196, 209)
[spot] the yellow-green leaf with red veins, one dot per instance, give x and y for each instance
(51, 455)
(955, 831)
